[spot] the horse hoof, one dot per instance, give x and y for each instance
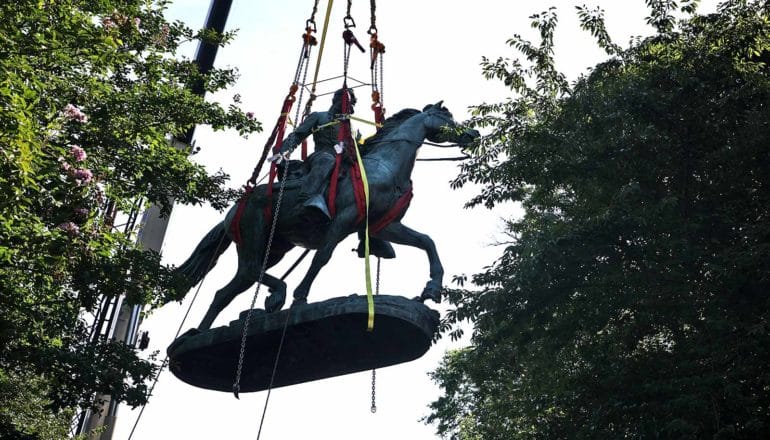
(275, 301)
(299, 302)
(431, 293)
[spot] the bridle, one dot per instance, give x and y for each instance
(444, 115)
(441, 113)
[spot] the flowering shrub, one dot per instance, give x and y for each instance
(74, 113)
(74, 153)
(78, 153)
(83, 176)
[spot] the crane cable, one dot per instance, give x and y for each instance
(348, 21)
(308, 42)
(178, 330)
(376, 67)
(373, 408)
(236, 385)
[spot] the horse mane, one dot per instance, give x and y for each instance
(391, 123)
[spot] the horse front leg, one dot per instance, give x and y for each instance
(400, 234)
(277, 289)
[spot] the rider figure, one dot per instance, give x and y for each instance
(324, 130)
(321, 163)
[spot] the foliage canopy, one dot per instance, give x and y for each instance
(90, 94)
(632, 300)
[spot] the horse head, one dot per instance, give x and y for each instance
(443, 128)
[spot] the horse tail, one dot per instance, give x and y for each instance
(205, 256)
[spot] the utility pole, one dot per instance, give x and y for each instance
(152, 230)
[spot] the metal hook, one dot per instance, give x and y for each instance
(349, 38)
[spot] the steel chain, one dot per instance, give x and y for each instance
(302, 69)
(373, 408)
(237, 384)
(381, 85)
(302, 88)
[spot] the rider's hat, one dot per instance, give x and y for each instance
(338, 96)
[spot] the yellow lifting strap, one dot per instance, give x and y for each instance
(321, 47)
(367, 266)
(365, 121)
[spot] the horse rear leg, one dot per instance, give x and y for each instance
(249, 267)
(245, 277)
(277, 296)
(400, 234)
(321, 257)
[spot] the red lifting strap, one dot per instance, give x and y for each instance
(358, 191)
(235, 225)
(277, 133)
(345, 137)
(285, 109)
(401, 204)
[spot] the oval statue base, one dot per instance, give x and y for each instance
(323, 339)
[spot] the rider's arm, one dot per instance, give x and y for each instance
(302, 131)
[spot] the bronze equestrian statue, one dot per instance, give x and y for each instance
(388, 159)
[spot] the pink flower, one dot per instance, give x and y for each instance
(66, 166)
(137, 22)
(250, 115)
(70, 228)
(83, 176)
(78, 153)
(74, 113)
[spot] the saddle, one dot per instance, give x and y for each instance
(298, 169)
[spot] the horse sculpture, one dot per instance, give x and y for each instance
(388, 160)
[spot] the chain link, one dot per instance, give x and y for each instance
(345, 62)
(373, 408)
(302, 87)
(373, 16)
(315, 10)
(302, 68)
(241, 355)
(381, 85)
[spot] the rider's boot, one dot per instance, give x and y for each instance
(316, 202)
(312, 187)
(377, 247)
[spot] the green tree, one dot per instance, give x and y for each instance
(90, 94)
(632, 298)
